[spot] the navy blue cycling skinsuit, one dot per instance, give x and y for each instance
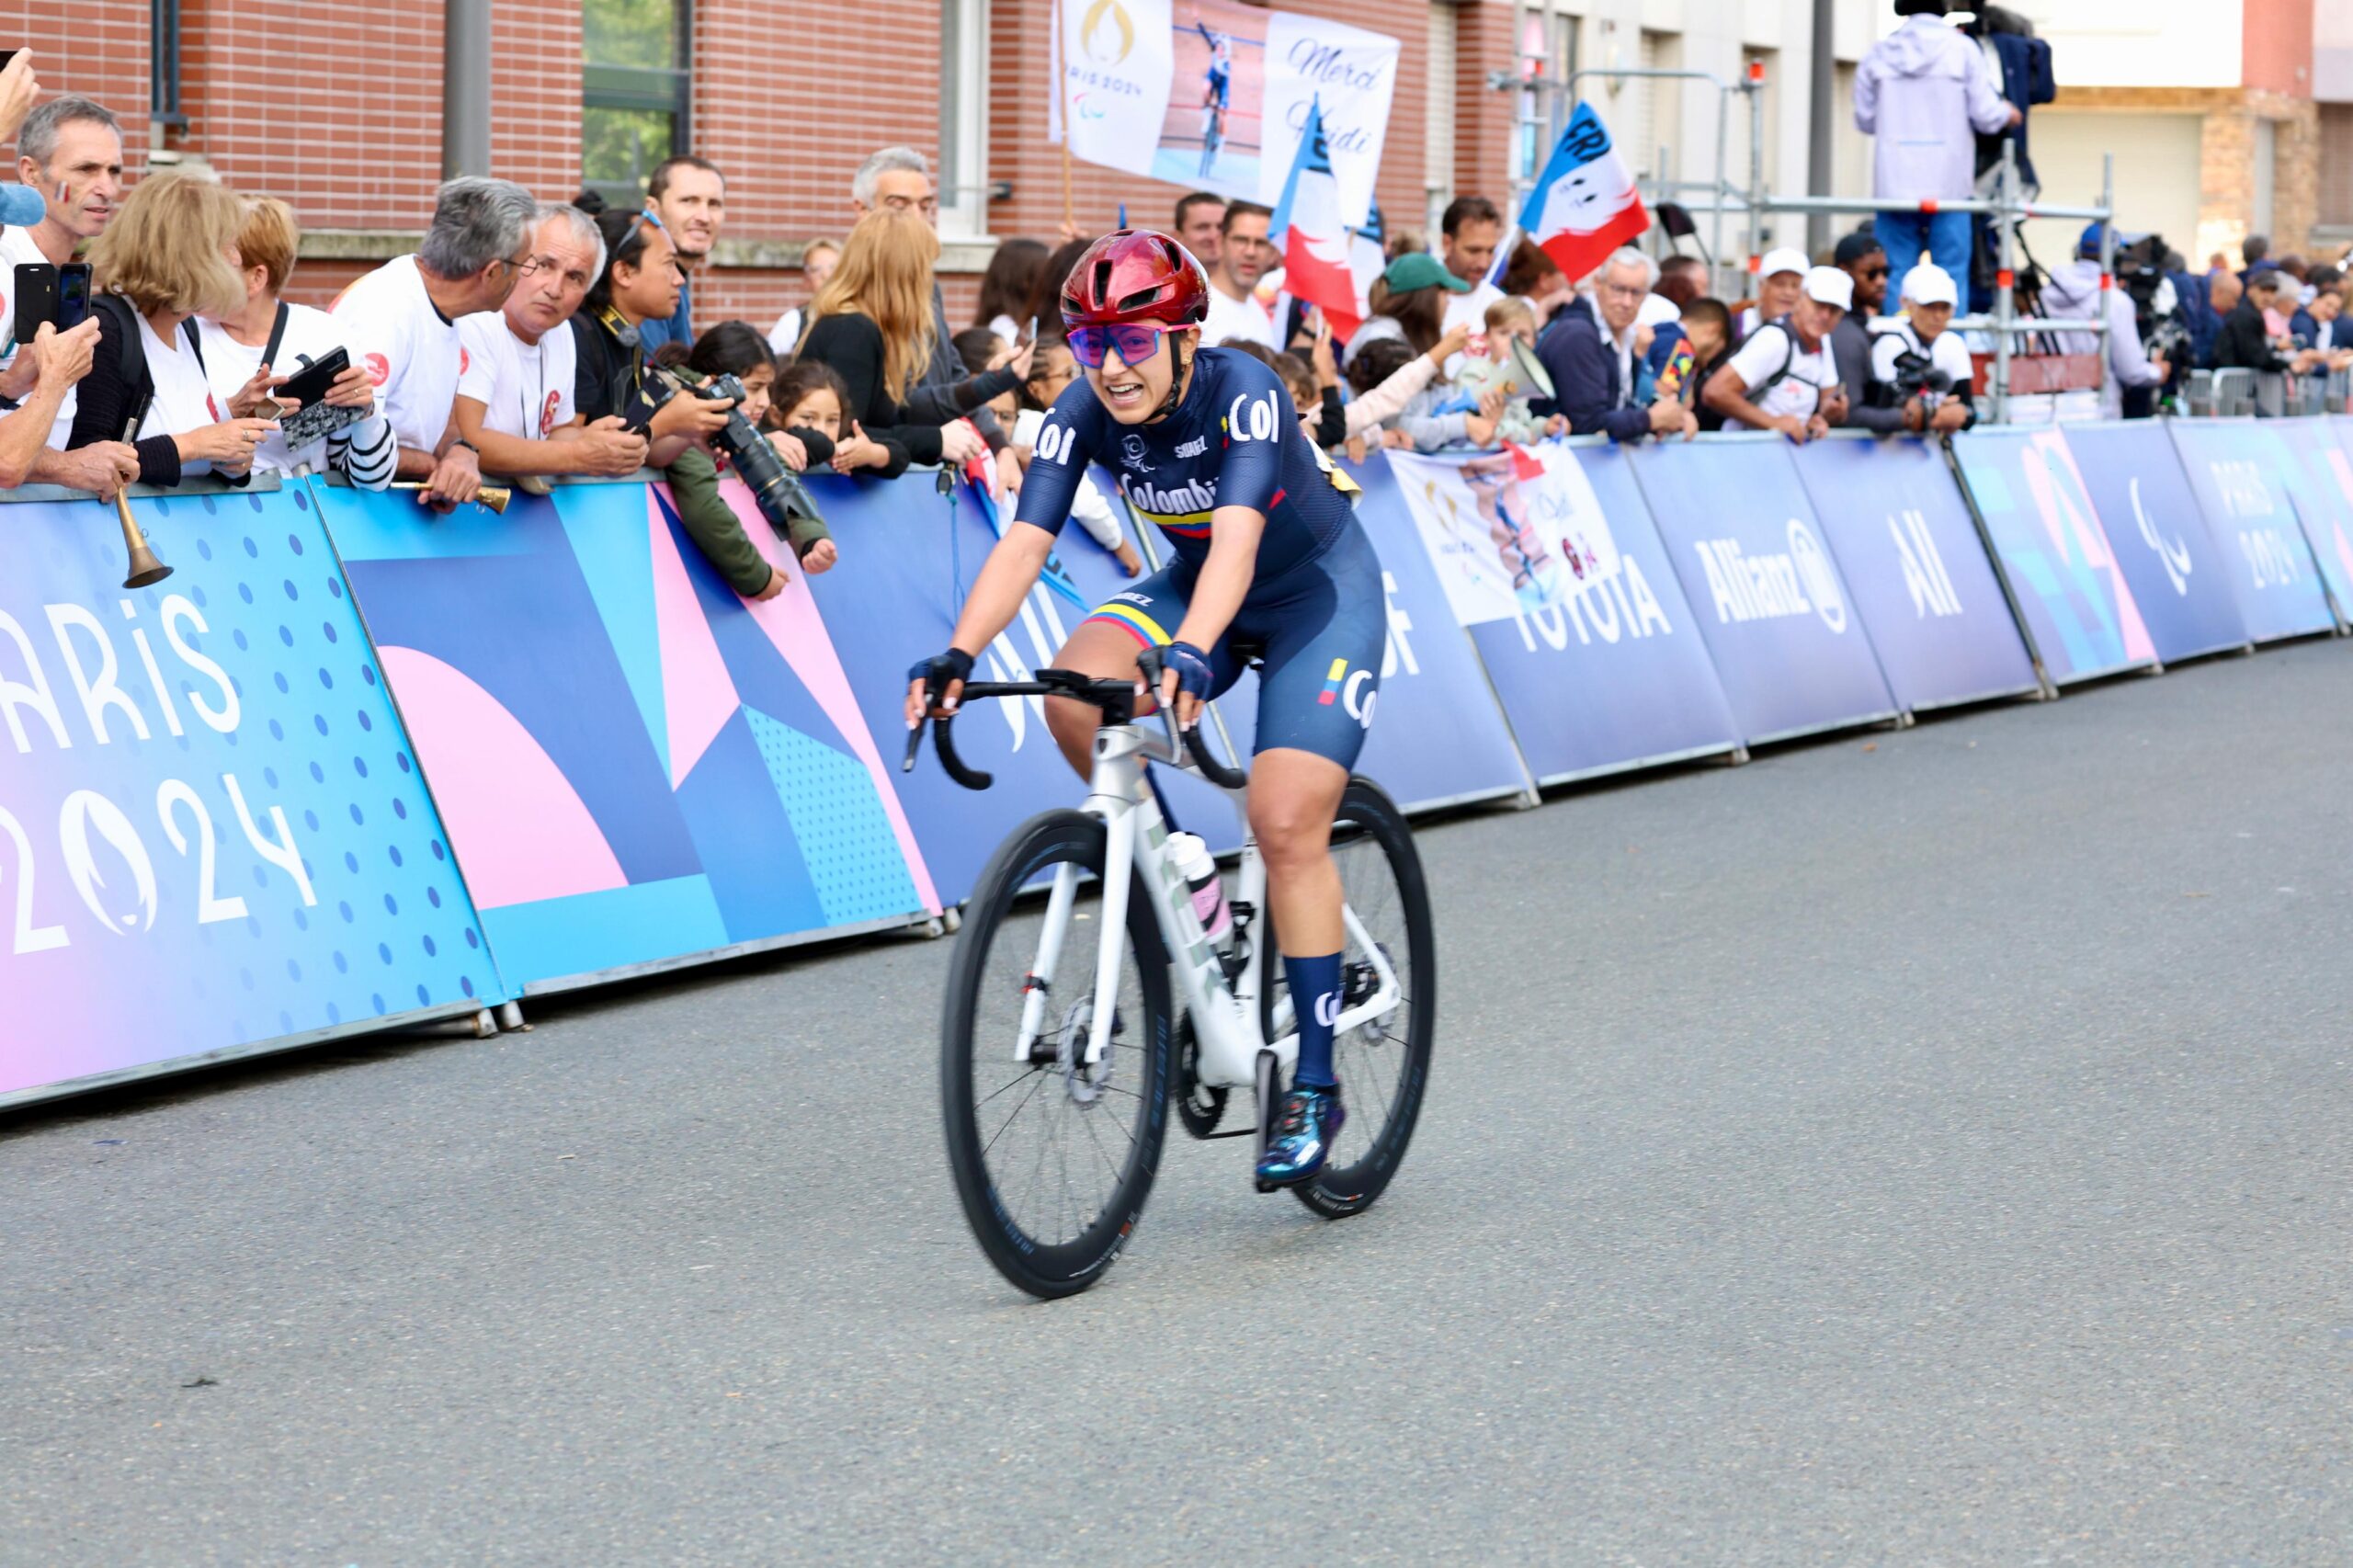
(1316, 614)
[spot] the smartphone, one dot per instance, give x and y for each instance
(1029, 333)
(311, 383)
(72, 295)
(36, 297)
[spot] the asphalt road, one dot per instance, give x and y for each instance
(1925, 1147)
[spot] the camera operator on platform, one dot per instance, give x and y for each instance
(2075, 292)
(1908, 360)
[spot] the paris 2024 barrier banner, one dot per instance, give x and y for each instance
(283, 796)
(213, 835)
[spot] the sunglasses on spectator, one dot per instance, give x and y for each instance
(1136, 342)
(1874, 272)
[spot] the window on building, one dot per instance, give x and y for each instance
(1438, 123)
(163, 76)
(2337, 166)
(964, 118)
(634, 101)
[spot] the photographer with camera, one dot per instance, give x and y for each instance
(515, 394)
(639, 283)
(731, 360)
(1919, 368)
(2075, 294)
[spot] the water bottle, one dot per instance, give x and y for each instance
(1199, 869)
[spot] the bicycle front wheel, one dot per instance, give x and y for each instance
(1383, 1066)
(1053, 1156)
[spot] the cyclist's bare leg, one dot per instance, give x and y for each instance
(1104, 651)
(1294, 797)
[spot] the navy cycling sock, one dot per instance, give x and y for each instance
(1315, 995)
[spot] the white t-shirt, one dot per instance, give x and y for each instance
(784, 338)
(408, 347)
(1469, 310)
(1768, 349)
(1237, 318)
(183, 398)
(1947, 353)
(311, 334)
(16, 248)
(524, 389)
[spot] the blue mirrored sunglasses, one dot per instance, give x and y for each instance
(1136, 342)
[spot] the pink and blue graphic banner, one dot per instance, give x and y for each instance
(1904, 540)
(2079, 610)
(2178, 576)
(213, 833)
(637, 765)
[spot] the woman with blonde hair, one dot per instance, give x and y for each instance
(253, 350)
(872, 324)
(170, 254)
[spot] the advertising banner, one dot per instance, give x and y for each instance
(1791, 652)
(1910, 555)
(2178, 578)
(637, 765)
(2325, 449)
(2079, 608)
(213, 834)
(2244, 476)
(1556, 570)
(1351, 74)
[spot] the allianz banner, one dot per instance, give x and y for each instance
(1910, 554)
(2245, 479)
(1549, 560)
(2179, 578)
(213, 834)
(1792, 650)
(638, 767)
(2079, 610)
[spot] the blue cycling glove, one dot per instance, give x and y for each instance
(939, 670)
(1192, 667)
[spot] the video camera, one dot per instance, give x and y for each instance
(778, 491)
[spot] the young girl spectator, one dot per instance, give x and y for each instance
(1508, 320)
(1395, 394)
(818, 259)
(982, 350)
(1052, 371)
(807, 405)
(1007, 286)
(736, 348)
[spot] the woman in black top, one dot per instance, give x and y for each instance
(872, 324)
(640, 283)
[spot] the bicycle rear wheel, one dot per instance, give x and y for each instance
(1382, 1066)
(1054, 1158)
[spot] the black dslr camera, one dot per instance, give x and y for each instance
(776, 488)
(1915, 376)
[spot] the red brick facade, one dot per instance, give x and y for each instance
(337, 108)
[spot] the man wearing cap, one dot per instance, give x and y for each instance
(1862, 259)
(2074, 293)
(1925, 94)
(1929, 295)
(1588, 352)
(1784, 378)
(1780, 283)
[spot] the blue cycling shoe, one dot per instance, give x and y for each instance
(1306, 1121)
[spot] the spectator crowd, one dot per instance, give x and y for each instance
(529, 340)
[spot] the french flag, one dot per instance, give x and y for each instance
(1585, 205)
(1306, 227)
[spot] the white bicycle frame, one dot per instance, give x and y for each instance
(1225, 1018)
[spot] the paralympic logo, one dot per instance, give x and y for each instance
(1115, 15)
(2176, 556)
(1086, 110)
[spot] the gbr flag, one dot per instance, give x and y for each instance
(1585, 205)
(1318, 265)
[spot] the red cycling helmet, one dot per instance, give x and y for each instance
(1135, 275)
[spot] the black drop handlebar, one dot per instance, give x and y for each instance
(1116, 699)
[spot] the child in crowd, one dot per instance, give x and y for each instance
(1052, 370)
(1707, 328)
(738, 349)
(983, 351)
(1394, 397)
(1509, 320)
(807, 403)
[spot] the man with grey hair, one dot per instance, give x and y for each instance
(69, 150)
(899, 179)
(402, 320)
(516, 385)
(1589, 353)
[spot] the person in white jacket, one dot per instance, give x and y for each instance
(2074, 293)
(1924, 93)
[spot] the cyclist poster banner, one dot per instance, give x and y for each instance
(2178, 576)
(1910, 554)
(638, 767)
(1792, 654)
(213, 836)
(1113, 64)
(2080, 614)
(2245, 479)
(1351, 74)
(1553, 567)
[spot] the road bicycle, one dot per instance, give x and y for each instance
(1060, 1053)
